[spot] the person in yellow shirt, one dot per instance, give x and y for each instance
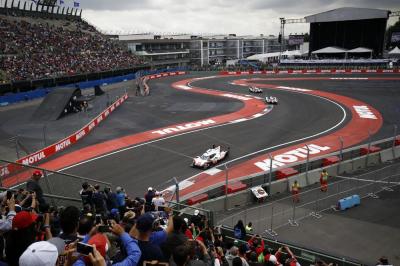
(323, 180)
(295, 191)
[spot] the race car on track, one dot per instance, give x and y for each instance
(210, 157)
(271, 100)
(254, 89)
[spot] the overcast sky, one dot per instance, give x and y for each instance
(243, 17)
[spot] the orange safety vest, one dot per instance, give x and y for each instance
(324, 176)
(295, 187)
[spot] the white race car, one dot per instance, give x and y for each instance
(254, 89)
(271, 100)
(210, 157)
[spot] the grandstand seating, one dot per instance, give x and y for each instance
(37, 48)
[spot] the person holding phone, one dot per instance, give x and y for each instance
(99, 243)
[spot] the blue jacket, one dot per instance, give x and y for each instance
(132, 250)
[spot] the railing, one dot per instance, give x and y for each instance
(60, 186)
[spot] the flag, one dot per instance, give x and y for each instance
(61, 2)
(76, 4)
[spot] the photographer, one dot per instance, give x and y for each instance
(6, 221)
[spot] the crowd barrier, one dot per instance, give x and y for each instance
(309, 71)
(59, 146)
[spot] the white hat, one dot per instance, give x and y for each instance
(196, 212)
(150, 189)
(272, 258)
(118, 189)
(40, 253)
(186, 220)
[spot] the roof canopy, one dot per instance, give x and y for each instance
(348, 13)
(360, 50)
(396, 50)
(330, 50)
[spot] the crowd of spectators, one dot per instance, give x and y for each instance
(32, 49)
(110, 228)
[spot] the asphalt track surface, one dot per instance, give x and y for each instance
(296, 116)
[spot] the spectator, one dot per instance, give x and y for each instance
(142, 232)
(196, 218)
(33, 186)
(111, 199)
(249, 228)
(121, 200)
(158, 200)
(239, 230)
(243, 252)
(149, 198)
(22, 235)
(40, 253)
(231, 254)
(69, 223)
(99, 201)
(176, 238)
(6, 221)
(256, 243)
(87, 195)
(383, 261)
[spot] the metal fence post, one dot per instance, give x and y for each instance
(177, 191)
(293, 221)
(270, 231)
(394, 140)
(307, 163)
(340, 154)
(369, 147)
(270, 174)
(44, 135)
(226, 187)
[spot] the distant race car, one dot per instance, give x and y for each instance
(254, 89)
(271, 100)
(210, 157)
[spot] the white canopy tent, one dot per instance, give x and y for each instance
(330, 50)
(360, 50)
(395, 52)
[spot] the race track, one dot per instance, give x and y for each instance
(297, 116)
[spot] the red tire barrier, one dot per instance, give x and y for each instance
(235, 187)
(330, 160)
(285, 173)
(372, 149)
(197, 199)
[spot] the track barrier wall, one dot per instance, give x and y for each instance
(31, 159)
(310, 71)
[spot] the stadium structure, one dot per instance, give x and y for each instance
(99, 133)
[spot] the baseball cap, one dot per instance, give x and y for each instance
(100, 241)
(145, 222)
(150, 189)
(118, 189)
(37, 173)
(196, 212)
(23, 220)
(40, 253)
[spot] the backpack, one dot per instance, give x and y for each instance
(237, 233)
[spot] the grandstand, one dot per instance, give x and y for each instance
(126, 186)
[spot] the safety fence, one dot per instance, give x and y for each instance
(267, 218)
(278, 181)
(313, 70)
(61, 187)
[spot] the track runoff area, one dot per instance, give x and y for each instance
(313, 110)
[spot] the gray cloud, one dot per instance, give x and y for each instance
(222, 16)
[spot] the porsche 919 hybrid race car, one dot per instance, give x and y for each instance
(210, 157)
(254, 89)
(271, 100)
